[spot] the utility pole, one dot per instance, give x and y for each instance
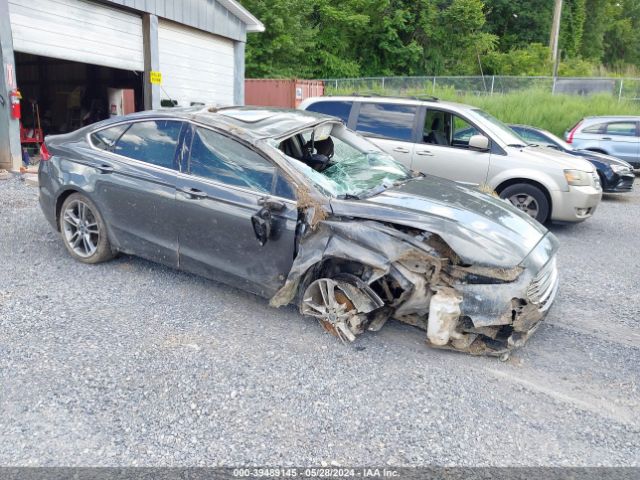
(555, 30)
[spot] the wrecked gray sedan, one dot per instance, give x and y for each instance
(294, 206)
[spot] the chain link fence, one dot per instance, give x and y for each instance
(618, 88)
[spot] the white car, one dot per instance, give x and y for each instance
(468, 145)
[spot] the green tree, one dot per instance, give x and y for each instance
(621, 41)
(518, 23)
(461, 38)
(281, 50)
(574, 15)
(595, 25)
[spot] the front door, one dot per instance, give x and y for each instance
(444, 150)
(223, 185)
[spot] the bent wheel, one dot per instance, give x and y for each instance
(328, 301)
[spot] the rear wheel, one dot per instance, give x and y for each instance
(84, 232)
(529, 199)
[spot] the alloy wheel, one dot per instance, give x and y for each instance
(326, 301)
(80, 228)
(525, 203)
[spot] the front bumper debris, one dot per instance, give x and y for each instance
(354, 275)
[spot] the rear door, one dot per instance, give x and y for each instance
(621, 140)
(223, 185)
(444, 150)
(391, 126)
(136, 185)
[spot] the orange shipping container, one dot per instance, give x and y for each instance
(284, 93)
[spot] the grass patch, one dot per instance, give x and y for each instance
(539, 108)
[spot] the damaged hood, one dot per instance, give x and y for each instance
(480, 228)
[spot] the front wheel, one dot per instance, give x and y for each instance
(83, 230)
(529, 199)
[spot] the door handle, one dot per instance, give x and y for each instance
(106, 168)
(193, 193)
(401, 150)
(425, 153)
(606, 138)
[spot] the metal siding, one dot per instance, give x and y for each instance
(195, 66)
(78, 30)
(207, 15)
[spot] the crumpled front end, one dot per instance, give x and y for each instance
(380, 271)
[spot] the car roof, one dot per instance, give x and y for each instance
(269, 122)
(256, 122)
(613, 117)
(389, 99)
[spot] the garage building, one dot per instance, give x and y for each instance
(75, 62)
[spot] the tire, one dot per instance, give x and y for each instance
(83, 230)
(529, 199)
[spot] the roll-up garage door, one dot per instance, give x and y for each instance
(197, 67)
(77, 30)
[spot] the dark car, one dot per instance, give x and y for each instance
(616, 175)
(295, 207)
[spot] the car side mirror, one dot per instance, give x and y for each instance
(479, 142)
(261, 222)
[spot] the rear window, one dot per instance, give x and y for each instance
(336, 109)
(106, 138)
(153, 142)
(386, 120)
(597, 128)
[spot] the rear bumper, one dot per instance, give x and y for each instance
(46, 195)
(575, 205)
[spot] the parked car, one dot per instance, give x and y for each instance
(295, 207)
(615, 175)
(617, 136)
(466, 144)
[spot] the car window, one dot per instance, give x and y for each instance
(223, 159)
(627, 129)
(386, 120)
(462, 132)
(531, 136)
(337, 109)
(446, 129)
(153, 142)
(283, 188)
(597, 128)
(106, 138)
(355, 166)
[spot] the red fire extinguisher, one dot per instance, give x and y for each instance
(14, 100)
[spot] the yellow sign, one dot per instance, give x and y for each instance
(155, 77)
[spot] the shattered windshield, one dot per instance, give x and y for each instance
(343, 164)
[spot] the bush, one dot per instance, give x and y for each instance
(555, 113)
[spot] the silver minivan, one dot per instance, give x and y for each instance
(618, 136)
(466, 144)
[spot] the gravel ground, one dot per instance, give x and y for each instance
(130, 363)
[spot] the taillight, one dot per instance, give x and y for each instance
(44, 152)
(573, 131)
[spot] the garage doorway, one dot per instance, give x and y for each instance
(59, 96)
